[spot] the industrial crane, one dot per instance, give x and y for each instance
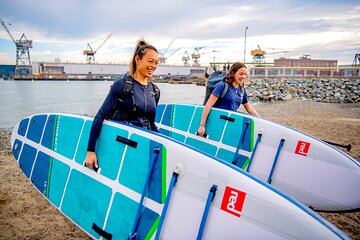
(259, 55)
(90, 53)
(23, 63)
(195, 56)
(162, 58)
(186, 58)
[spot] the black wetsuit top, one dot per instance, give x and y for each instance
(138, 109)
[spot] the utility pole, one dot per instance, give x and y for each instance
(245, 43)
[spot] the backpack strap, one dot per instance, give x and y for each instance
(225, 90)
(156, 92)
(128, 90)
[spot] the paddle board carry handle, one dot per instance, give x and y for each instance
(281, 144)
(96, 169)
(154, 157)
(240, 143)
(204, 136)
(258, 139)
(209, 200)
(126, 141)
(347, 147)
(101, 232)
(230, 119)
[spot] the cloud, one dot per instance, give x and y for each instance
(67, 26)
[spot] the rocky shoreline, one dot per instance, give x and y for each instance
(319, 90)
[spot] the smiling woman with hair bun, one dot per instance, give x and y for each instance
(132, 98)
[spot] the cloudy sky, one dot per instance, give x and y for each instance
(61, 29)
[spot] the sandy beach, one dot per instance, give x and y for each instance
(26, 214)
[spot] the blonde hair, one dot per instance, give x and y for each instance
(140, 50)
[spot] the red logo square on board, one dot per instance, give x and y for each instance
(233, 201)
(302, 148)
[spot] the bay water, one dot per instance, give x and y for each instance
(19, 99)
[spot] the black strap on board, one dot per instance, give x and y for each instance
(126, 141)
(101, 232)
(230, 119)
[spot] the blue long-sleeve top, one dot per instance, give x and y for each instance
(143, 99)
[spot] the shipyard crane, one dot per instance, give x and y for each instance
(259, 55)
(185, 58)
(195, 56)
(23, 63)
(90, 53)
(162, 58)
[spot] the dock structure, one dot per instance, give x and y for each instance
(100, 72)
(290, 68)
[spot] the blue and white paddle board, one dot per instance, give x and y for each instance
(306, 168)
(149, 186)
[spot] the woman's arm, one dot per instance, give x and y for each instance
(105, 110)
(209, 104)
(250, 109)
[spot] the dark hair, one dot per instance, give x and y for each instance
(140, 50)
(230, 76)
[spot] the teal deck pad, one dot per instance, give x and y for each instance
(167, 117)
(195, 123)
(27, 159)
(181, 117)
(215, 125)
(200, 145)
(67, 134)
(233, 131)
(238, 127)
(49, 132)
(86, 201)
(172, 135)
(41, 172)
(36, 127)
(225, 155)
(121, 217)
(159, 112)
(110, 153)
(16, 148)
(136, 165)
(23, 127)
(83, 143)
(58, 177)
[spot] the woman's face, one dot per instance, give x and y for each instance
(240, 76)
(148, 64)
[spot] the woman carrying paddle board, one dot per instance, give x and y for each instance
(132, 99)
(234, 97)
